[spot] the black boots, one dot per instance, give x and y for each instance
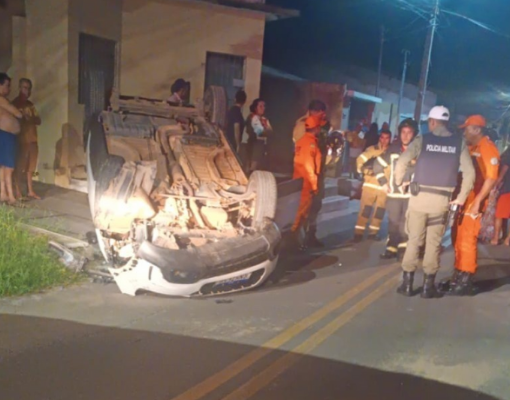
(406, 288)
(312, 241)
(429, 290)
(294, 242)
(388, 255)
(448, 284)
(463, 285)
(460, 284)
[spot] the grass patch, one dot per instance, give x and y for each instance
(26, 263)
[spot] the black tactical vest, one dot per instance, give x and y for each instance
(439, 161)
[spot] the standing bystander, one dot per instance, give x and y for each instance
(179, 92)
(235, 121)
(9, 129)
(258, 129)
(503, 205)
(28, 149)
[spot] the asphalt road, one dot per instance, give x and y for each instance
(329, 326)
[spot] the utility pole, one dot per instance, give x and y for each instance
(379, 70)
(425, 67)
(402, 85)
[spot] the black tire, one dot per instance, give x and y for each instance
(263, 184)
(215, 105)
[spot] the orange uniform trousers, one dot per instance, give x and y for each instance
(486, 160)
(307, 165)
(467, 230)
(305, 206)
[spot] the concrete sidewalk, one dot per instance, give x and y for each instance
(60, 210)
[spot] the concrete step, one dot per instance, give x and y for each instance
(334, 203)
(330, 189)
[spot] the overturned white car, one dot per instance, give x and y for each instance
(173, 210)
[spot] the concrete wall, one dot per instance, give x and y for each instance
(102, 18)
(5, 41)
(163, 40)
(18, 66)
(47, 55)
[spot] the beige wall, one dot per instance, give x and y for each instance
(101, 18)
(18, 67)
(163, 40)
(47, 65)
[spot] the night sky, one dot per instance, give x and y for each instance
(331, 32)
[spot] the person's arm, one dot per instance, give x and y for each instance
(411, 153)
(490, 158)
(468, 176)
(6, 105)
(502, 174)
(35, 119)
(310, 166)
(299, 130)
(237, 135)
(360, 161)
(380, 166)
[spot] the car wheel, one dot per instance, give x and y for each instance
(263, 184)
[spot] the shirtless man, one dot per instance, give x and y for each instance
(9, 128)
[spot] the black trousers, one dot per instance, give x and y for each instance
(397, 209)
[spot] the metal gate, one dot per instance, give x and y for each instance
(227, 71)
(96, 73)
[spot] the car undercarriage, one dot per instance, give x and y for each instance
(174, 212)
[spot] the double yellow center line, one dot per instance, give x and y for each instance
(283, 363)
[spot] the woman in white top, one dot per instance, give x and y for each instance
(258, 129)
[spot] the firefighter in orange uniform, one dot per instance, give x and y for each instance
(307, 165)
(486, 160)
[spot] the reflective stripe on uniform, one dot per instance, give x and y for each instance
(381, 175)
(364, 157)
(360, 227)
(392, 249)
(399, 196)
(372, 186)
(382, 162)
(402, 245)
(375, 228)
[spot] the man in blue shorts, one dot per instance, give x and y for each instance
(9, 129)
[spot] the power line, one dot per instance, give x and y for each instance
(477, 23)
